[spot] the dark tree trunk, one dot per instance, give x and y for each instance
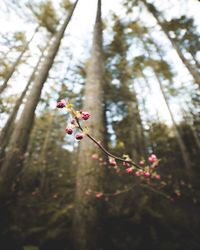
(9, 126)
(13, 162)
(86, 223)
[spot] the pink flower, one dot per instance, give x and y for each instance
(79, 136)
(73, 122)
(61, 104)
(129, 170)
(147, 174)
(157, 177)
(85, 115)
(69, 131)
(99, 195)
(112, 162)
(94, 157)
(126, 164)
(141, 162)
(138, 173)
(152, 158)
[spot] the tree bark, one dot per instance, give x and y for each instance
(137, 142)
(191, 69)
(6, 132)
(16, 63)
(182, 146)
(13, 162)
(86, 221)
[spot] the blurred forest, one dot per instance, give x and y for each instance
(137, 72)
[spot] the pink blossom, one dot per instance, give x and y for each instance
(94, 157)
(157, 177)
(152, 158)
(126, 164)
(141, 162)
(79, 136)
(112, 162)
(69, 131)
(73, 122)
(85, 115)
(138, 173)
(61, 104)
(147, 174)
(129, 170)
(99, 195)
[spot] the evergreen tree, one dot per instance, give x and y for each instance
(87, 214)
(21, 135)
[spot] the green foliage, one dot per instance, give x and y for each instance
(45, 14)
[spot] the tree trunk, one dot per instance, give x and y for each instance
(190, 68)
(13, 163)
(42, 157)
(182, 146)
(9, 126)
(192, 128)
(14, 66)
(86, 223)
(136, 136)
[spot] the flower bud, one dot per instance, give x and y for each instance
(79, 136)
(99, 195)
(69, 131)
(141, 162)
(126, 164)
(152, 158)
(61, 104)
(85, 115)
(112, 162)
(129, 170)
(147, 174)
(157, 177)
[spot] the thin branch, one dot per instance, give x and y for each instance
(105, 150)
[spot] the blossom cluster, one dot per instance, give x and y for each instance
(145, 169)
(78, 115)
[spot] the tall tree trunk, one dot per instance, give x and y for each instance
(42, 157)
(9, 126)
(136, 137)
(86, 223)
(190, 68)
(13, 162)
(181, 143)
(192, 128)
(16, 63)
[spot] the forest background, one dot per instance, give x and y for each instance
(134, 67)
